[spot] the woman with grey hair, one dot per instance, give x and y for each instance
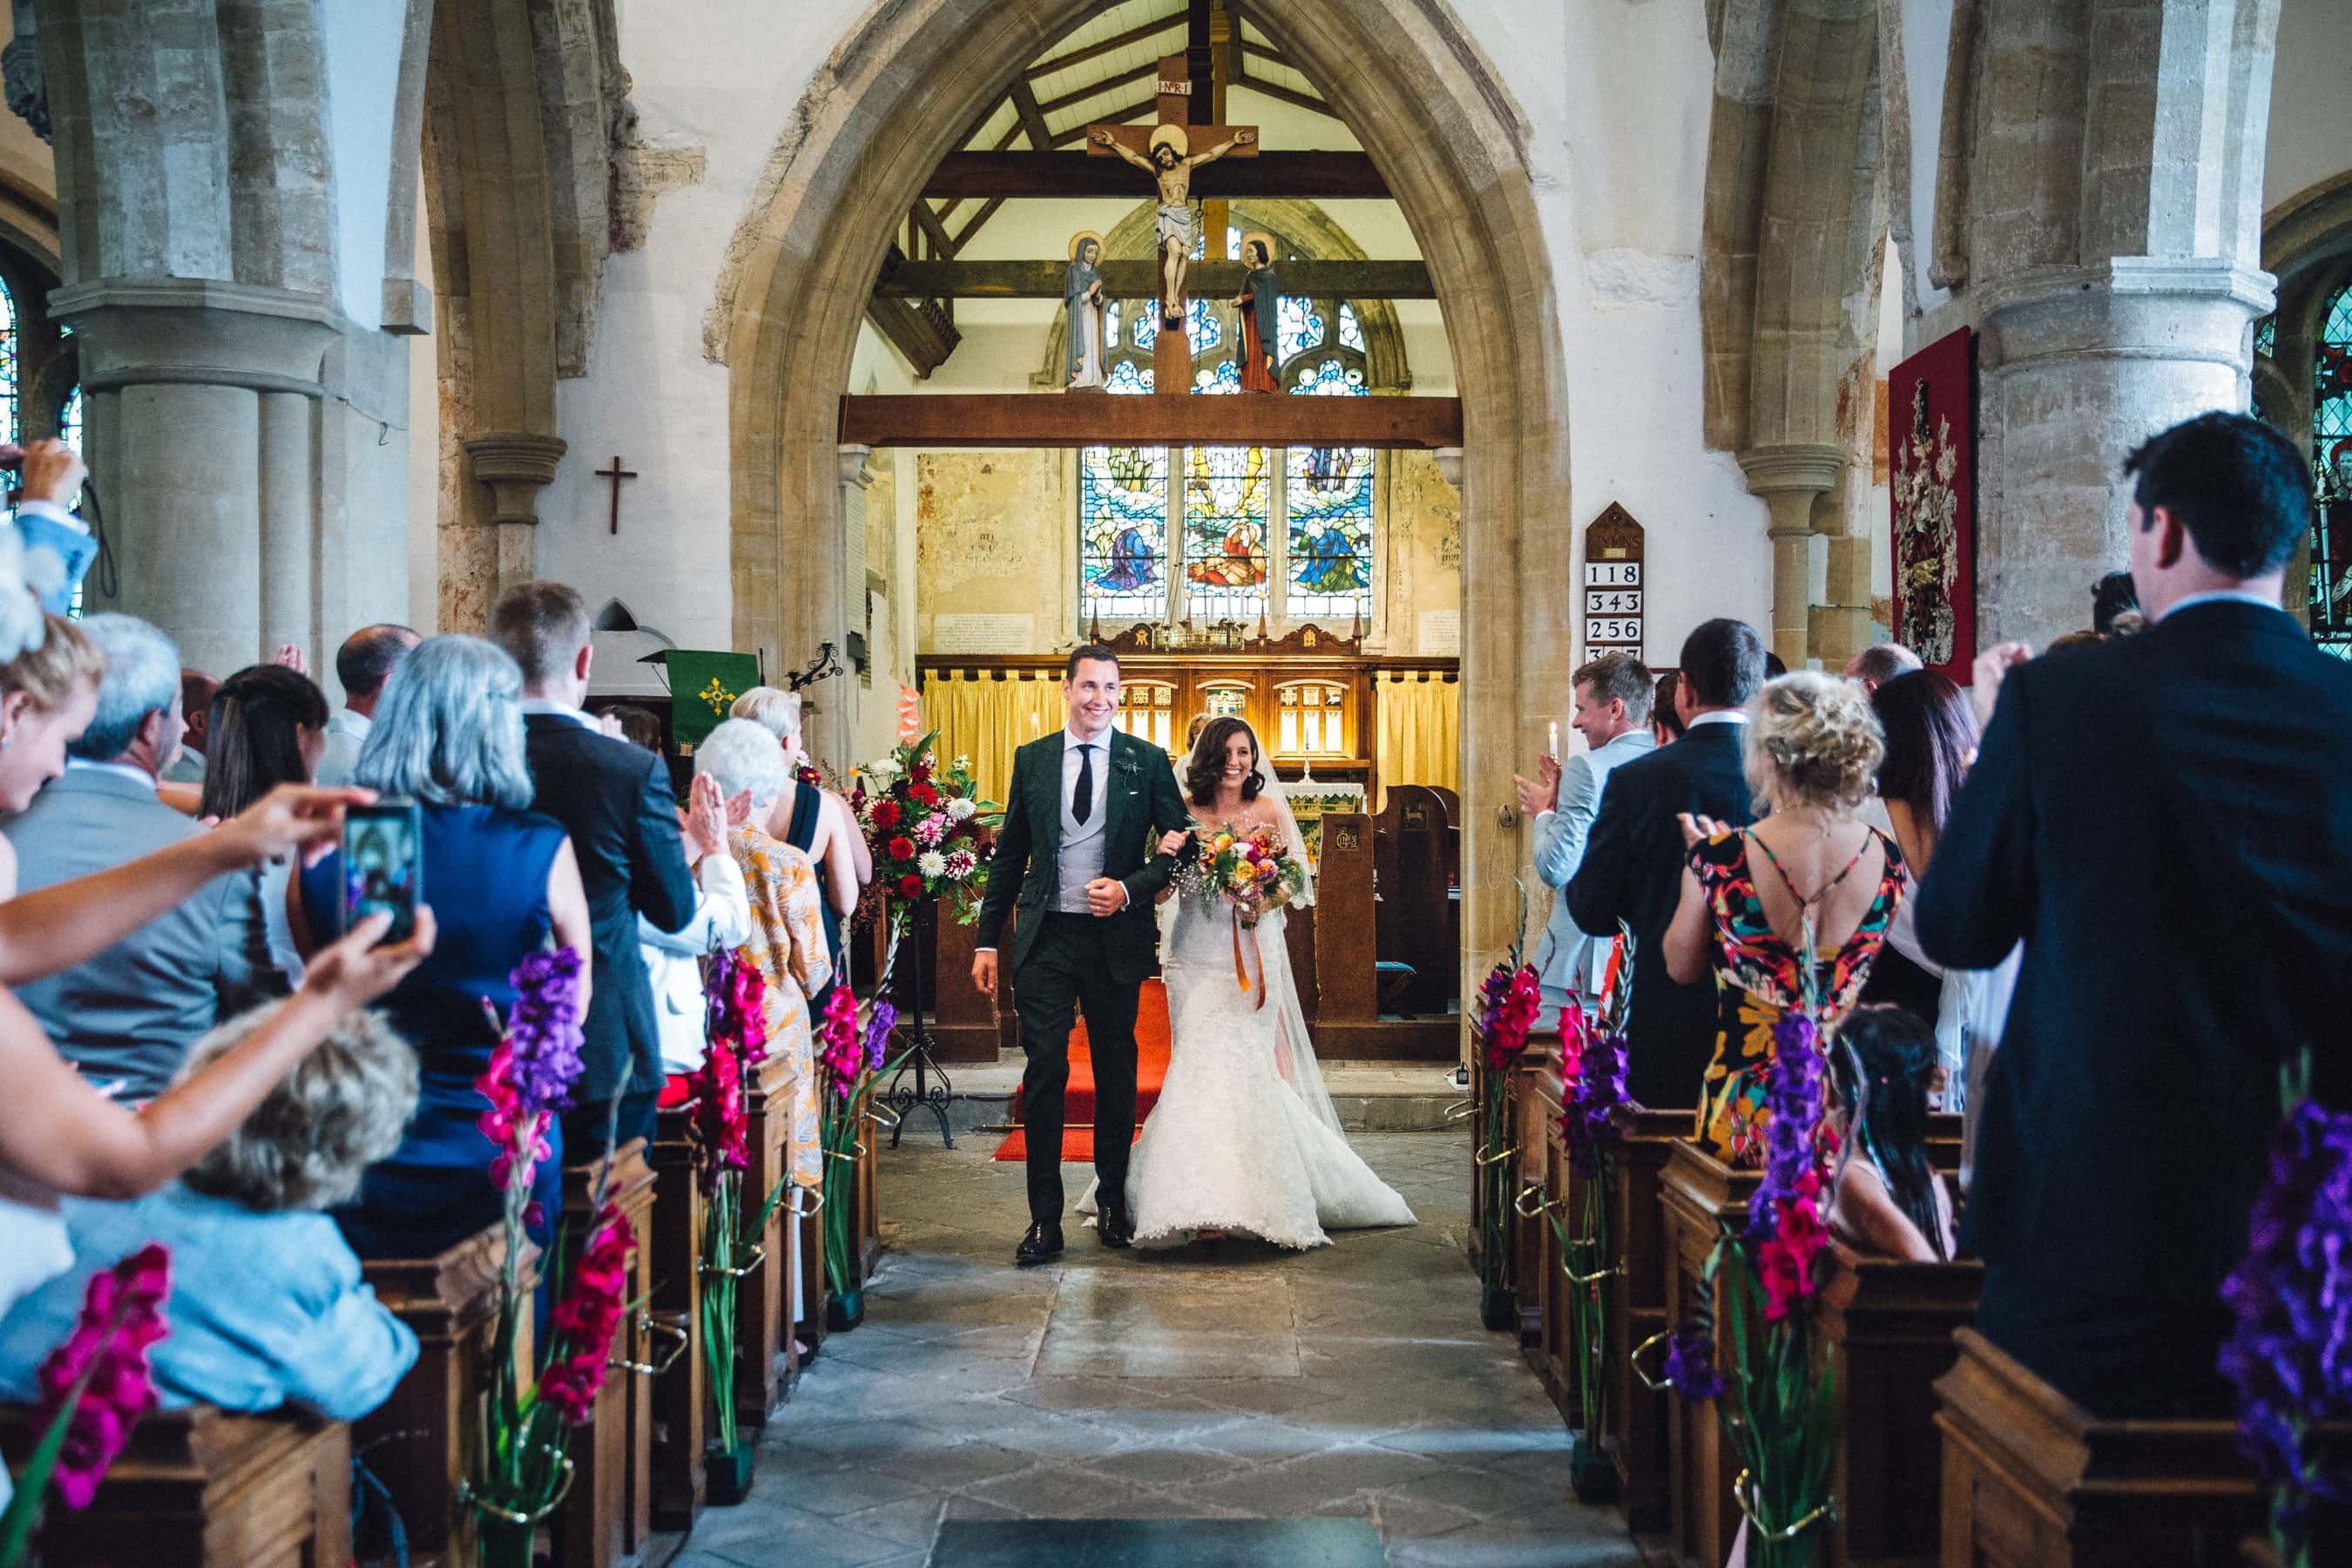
(449, 735)
(267, 1305)
(808, 816)
(787, 942)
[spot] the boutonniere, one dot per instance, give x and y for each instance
(1125, 764)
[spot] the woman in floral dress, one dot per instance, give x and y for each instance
(1760, 904)
(787, 942)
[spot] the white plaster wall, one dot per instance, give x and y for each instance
(1619, 94)
(1926, 53)
(361, 41)
(1616, 94)
(2311, 99)
(423, 450)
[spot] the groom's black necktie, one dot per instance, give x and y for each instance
(1082, 801)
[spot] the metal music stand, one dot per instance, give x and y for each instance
(920, 1060)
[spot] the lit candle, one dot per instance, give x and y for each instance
(1552, 745)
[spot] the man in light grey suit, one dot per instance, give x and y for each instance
(363, 664)
(1612, 697)
(129, 1015)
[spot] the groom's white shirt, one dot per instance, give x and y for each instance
(1080, 857)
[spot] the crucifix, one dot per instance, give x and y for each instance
(1165, 151)
(616, 474)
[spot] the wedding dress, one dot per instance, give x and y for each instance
(1244, 1138)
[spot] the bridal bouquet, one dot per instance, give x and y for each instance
(1254, 871)
(523, 1472)
(924, 824)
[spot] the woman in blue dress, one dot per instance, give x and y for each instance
(503, 881)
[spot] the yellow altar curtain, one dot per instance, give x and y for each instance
(985, 718)
(1417, 730)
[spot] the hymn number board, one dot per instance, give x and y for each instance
(1613, 582)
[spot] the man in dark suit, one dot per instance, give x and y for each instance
(615, 801)
(2165, 821)
(1633, 869)
(1077, 857)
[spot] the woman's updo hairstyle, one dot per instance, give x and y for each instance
(1814, 742)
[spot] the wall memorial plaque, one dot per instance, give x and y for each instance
(1615, 584)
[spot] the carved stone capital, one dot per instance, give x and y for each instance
(853, 457)
(1790, 477)
(517, 465)
(1449, 464)
(206, 332)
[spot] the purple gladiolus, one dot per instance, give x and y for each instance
(1589, 1120)
(878, 1034)
(1794, 1096)
(2289, 1354)
(544, 1028)
(1690, 1366)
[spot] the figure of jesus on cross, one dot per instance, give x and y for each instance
(1170, 166)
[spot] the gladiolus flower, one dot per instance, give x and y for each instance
(121, 1316)
(589, 1314)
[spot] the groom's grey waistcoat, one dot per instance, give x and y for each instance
(1140, 802)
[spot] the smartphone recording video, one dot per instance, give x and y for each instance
(384, 865)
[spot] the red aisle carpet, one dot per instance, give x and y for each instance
(1079, 1102)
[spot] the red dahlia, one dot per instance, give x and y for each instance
(885, 814)
(902, 848)
(910, 886)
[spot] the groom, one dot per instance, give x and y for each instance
(1073, 858)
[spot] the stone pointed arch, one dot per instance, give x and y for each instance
(1407, 79)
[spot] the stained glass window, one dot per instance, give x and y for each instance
(1352, 330)
(11, 428)
(1259, 532)
(1301, 326)
(69, 420)
(2331, 435)
(2266, 336)
(1228, 498)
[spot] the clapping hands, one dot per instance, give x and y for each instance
(1698, 829)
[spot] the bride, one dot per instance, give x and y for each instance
(1244, 1140)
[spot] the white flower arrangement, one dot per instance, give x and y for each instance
(960, 808)
(931, 863)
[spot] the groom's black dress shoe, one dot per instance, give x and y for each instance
(1042, 1243)
(1114, 1229)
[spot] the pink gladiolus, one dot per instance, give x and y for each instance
(589, 1314)
(121, 1316)
(1784, 1263)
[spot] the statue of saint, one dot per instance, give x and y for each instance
(1170, 165)
(1256, 303)
(1082, 297)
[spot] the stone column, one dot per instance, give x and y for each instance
(516, 465)
(1792, 478)
(2075, 367)
(209, 499)
(837, 697)
(1841, 623)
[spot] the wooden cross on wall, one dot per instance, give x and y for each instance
(616, 474)
(1171, 357)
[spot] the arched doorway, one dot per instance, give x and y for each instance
(1405, 77)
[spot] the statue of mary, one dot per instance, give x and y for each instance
(1082, 296)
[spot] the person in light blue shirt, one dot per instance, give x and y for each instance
(1613, 696)
(267, 1308)
(57, 547)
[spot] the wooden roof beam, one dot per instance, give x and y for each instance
(1126, 40)
(1139, 279)
(1088, 419)
(1313, 175)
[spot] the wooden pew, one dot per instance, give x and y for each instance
(763, 1317)
(201, 1487)
(431, 1426)
(1889, 1323)
(1638, 1308)
(1535, 1099)
(2031, 1480)
(677, 1401)
(610, 1504)
(1892, 1326)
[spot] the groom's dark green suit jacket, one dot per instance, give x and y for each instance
(1139, 792)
